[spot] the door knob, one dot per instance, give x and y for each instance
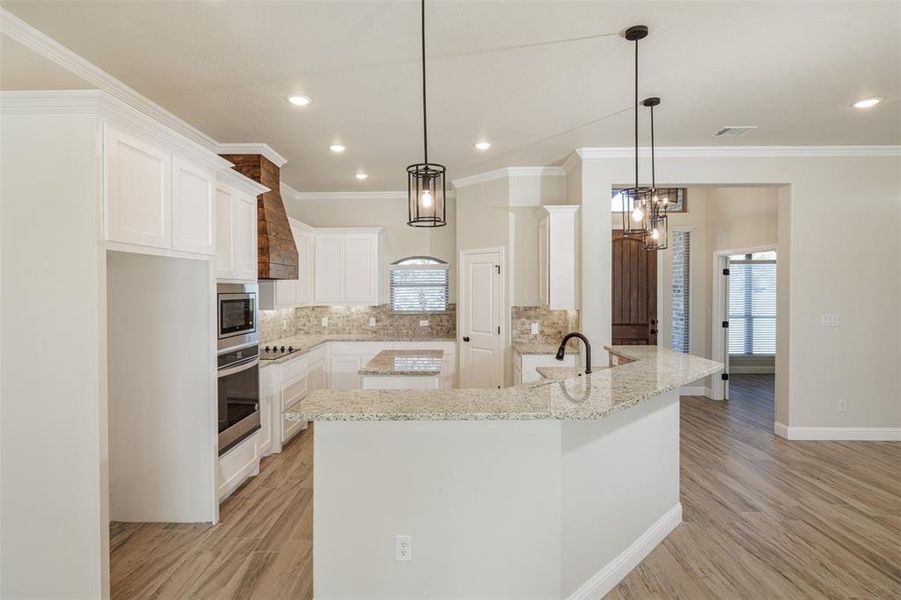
(465, 338)
(654, 331)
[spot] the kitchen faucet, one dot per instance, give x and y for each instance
(561, 351)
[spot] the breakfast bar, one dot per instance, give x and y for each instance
(544, 490)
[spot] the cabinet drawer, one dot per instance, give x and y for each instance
(294, 368)
(293, 392)
(290, 428)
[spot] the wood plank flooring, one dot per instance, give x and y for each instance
(767, 518)
(763, 518)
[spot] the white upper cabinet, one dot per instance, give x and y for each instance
(236, 234)
(558, 257)
(138, 192)
(225, 238)
(193, 208)
(361, 269)
(305, 240)
(155, 199)
(329, 268)
(244, 222)
(347, 266)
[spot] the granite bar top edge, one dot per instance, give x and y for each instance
(585, 397)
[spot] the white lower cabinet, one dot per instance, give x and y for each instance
(525, 365)
(238, 464)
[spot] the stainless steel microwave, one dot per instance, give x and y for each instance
(237, 315)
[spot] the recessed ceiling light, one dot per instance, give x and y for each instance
(337, 148)
(299, 100)
(867, 103)
(482, 145)
(361, 176)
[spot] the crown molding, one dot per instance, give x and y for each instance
(36, 40)
(361, 195)
(106, 108)
(287, 191)
(507, 172)
(241, 182)
(254, 148)
(736, 152)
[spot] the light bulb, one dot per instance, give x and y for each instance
(655, 234)
(425, 199)
(637, 214)
(656, 199)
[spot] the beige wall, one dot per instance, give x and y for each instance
(400, 240)
(500, 213)
(841, 254)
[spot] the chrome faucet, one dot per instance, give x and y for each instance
(561, 351)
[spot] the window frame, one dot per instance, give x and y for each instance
(406, 264)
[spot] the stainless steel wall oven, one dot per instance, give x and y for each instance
(238, 361)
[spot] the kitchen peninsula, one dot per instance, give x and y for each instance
(403, 370)
(543, 490)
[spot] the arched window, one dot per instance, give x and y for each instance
(419, 284)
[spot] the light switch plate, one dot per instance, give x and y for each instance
(829, 320)
(325, 321)
(372, 321)
(534, 329)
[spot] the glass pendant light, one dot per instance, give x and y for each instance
(636, 208)
(658, 221)
(426, 190)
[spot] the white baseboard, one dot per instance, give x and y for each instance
(616, 570)
(693, 390)
(862, 434)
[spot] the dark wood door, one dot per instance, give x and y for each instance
(634, 292)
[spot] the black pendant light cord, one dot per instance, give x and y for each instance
(425, 126)
(636, 121)
(653, 175)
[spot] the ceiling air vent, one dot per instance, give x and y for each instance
(734, 130)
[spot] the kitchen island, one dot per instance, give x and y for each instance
(545, 490)
(403, 370)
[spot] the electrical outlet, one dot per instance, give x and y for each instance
(403, 548)
(424, 323)
(829, 320)
(534, 329)
(372, 321)
(325, 321)
(842, 405)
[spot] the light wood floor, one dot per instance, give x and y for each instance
(763, 518)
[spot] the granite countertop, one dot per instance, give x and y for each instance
(644, 373)
(404, 362)
(307, 342)
(558, 373)
(541, 348)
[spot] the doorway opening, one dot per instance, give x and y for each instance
(746, 314)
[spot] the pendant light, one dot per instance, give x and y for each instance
(425, 181)
(635, 213)
(658, 203)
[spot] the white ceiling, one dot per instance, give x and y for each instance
(494, 72)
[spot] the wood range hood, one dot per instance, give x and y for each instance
(276, 252)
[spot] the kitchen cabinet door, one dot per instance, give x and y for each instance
(306, 266)
(264, 438)
(137, 200)
(244, 227)
(361, 269)
(193, 208)
(225, 240)
(328, 287)
(344, 372)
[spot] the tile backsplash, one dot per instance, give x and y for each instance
(552, 324)
(275, 324)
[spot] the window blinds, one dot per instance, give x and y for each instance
(419, 289)
(752, 307)
(680, 306)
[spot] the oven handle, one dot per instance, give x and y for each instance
(238, 367)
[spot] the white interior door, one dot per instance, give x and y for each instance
(481, 344)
